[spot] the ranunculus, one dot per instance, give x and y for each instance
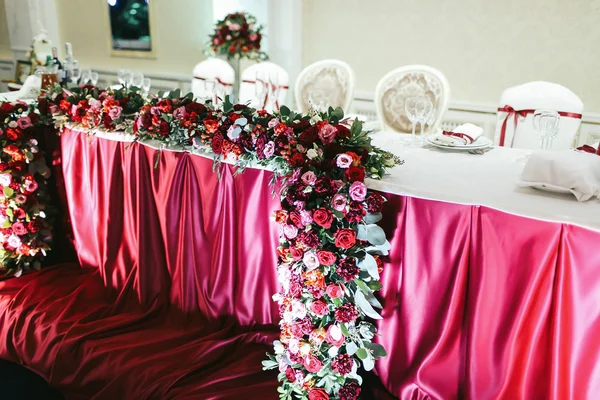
(342, 364)
(358, 191)
(334, 291)
(334, 336)
(327, 133)
(339, 202)
(343, 160)
(311, 260)
(375, 202)
(319, 307)
(211, 125)
(166, 106)
(115, 112)
(313, 364)
(323, 217)
(326, 257)
(318, 394)
(269, 149)
(290, 231)
(347, 312)
(354, 174)
(350, 391)
(347, 269)
(309, 178)
(345, 238)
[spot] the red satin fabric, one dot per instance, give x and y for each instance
(479, 304)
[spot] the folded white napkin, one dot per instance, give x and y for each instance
(577, 172)
(460, 136)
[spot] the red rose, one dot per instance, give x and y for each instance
(326, 257)
(217, 143)
(211, 126)
(296, 219)
(13, 134)
(318, 394)
(320, 308)
(309, 136)
(196, 107)
(345, 238)
(65, 105)
(164, 128)
(312, 364)
(290, 374)
(351, 391)
(323, 217)
(6, 108)
(354, 174)
(296, 253)
(334, 291)
(165, 106)
(347, 312)
(342, 364)
(342, 131)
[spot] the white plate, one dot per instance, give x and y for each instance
(480, 143)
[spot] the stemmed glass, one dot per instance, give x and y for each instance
(94, 78)
(86, 76)
(75, 71)
(316, 98)
(146, 84)
(546, 124)
(414, 107)
(427, 108)
(261, 89)
(122, 76)
(137, 79)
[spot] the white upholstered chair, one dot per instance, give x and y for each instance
(517, 106)
(30, 90)
(212, 70)
(409, 81)
(328, 81)
(247, 86)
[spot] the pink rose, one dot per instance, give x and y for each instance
(24, 122)
(358, 191)
(290, 231)
(339, 202)
(344, 160)
(334, 336)
(273, 123)
(269, 149)
(179, 112)
(305, 217)
(309, 178)
(53, 109)
(320, 308)
(334, 291)
(115, 112)
(327, 133)
(311, 260)
(312, 364)
(253, 37)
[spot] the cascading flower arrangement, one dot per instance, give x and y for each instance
(238, 35)
(25, 229)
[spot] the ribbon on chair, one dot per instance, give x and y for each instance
(273, 86)
(515, 114)
(217, 80)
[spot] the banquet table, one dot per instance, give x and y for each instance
(490, 291)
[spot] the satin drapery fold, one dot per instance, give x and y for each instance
(478, 304)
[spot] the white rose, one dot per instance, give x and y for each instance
(312, 153)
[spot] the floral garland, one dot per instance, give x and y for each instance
(25, 231)
(329, 252)
(237, 35)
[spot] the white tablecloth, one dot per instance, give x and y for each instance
(488, 180)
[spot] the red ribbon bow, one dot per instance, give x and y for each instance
(273, 86)
(523, 113)
(468, 139)
(589, 149)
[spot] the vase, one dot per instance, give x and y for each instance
(235, 64)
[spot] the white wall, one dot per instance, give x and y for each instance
(482, 46)
(5, 51)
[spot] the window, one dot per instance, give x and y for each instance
(130, 25)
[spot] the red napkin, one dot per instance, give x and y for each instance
(589, 149)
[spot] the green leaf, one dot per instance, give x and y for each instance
(227, 105)
(365, 306)
(369, 264)
(8, 192)
(373, 218)
(362, 353)
(377, 349)
(356, 128)
(374, 234)
(10, 213)
(344, 330)
(175, 94)
(284, 110)
(375, 285)
(6, 224)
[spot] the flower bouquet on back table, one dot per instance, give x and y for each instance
(235, 37)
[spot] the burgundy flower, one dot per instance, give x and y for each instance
(324, 186)
(197, 108)
(355, 174)
(375, 203)
(351, 391)
(342, 364)
(347, 312)
(342, 131)
(345, 238)
(347, 269)
(309, 136)
(356, 212)
(217, 143)
(296, 219)
(309, 239)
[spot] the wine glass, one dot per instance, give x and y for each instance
(75, 71)
(546, 123)
(274, 89)
(426, 109)
(86, 76)
(147, 83)
(94, 78)
(261, 89)
(431, 119)
(414, 107)
(137, 79)
(122, 76)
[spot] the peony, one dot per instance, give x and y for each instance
(312, 364)
(334, 336)
(298, 309)
(342, 364)
(323, 217)
(115, 112)
(354, 174)
(320, 308)
(334, 291)
(347, 269)
(351, 391)
(269, 149)
(375, 203)
(358, 191)
(327, 133)
(290, 231)
(347, 312)
(344, 160)
(339, 202)
(318, 394)
(326, 257)
(310, 260)
(345, 238)
(309, 178)
(306, 217)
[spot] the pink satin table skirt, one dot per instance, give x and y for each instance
(478, 304)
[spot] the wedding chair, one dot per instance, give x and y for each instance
(211, 76)
(410, 81)
(328, 83)
(274, 75)
(514, 123)
(30, 90)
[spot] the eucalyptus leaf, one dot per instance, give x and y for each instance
(344, 330)
(368, 294)
(8, 192)
(241, 121)
(365, 306)
(268, 364)
(351, 348)
(369, 363)
(362, 353)
(284, 110)
(383, 249)
(377, 349)
(369, 264)
(374, 234)
(373, 218)
(236, 133)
